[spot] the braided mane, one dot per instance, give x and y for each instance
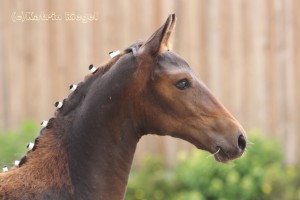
(75, 98)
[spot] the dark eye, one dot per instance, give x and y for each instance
(183, 84)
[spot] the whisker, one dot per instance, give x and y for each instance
(214, 153)
(244, 154)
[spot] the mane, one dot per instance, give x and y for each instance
(74, 99)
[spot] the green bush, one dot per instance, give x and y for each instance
(13, 143)
(259, 175)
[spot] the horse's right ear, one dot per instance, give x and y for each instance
(158, 41)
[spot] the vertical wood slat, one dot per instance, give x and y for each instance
(247, 52)
(272, 81)
(3, 80)
(212, 36)
(289, 121)
(258, 90)
(31, 86)
(246, 40)
(236, 49)
(296, 25)
(15, 68)
(225, 54)
(40, 69)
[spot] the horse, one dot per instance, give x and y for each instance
(86, 150)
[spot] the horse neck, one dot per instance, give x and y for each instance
(101, 142)
(100, 159)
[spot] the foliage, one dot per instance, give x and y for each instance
(150, 181)
(13, 143)
(259, 175)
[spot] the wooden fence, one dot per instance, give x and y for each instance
(246, 51)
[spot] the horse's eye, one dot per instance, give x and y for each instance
(183, 84)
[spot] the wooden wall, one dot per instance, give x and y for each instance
(246, 51)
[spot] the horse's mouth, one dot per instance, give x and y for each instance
(219, 153)
(221, 156)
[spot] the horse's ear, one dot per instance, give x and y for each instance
(159, 39)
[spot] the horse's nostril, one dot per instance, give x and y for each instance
(242, 142)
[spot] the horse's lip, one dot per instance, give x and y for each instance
(221, 155)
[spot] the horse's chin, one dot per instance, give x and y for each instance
(222, 159)
(219, 154)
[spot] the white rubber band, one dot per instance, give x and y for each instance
(73, 87)
(114, 53)
(58, 104)
(30, 146)
(92, 68)
(44, 123)
(16, 163)
(5, 169)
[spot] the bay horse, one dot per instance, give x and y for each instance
(86, 150)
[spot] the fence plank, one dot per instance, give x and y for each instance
(296, 25)
(289, 120)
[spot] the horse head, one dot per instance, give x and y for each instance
(173, 101)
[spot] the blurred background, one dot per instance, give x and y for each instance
(246, 51)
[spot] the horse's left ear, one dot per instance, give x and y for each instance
(159, 39)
